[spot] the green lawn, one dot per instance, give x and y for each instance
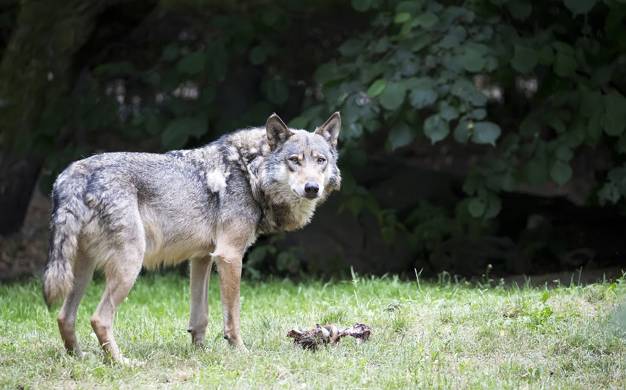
(432, 335)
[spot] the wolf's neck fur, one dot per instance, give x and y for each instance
(282, 210)
(286, 214)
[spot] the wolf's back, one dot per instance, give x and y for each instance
(68, 216)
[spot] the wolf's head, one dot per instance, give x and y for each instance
(302, 165)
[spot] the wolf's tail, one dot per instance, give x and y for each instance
(65, 224)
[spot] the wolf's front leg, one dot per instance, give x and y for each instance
(229, 250)
(229, 269)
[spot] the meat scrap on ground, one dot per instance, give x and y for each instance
(328, 334)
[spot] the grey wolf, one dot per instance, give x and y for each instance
(122, 211)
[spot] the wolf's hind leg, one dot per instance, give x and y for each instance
(83, 272)
(120, 272)
(200, 273)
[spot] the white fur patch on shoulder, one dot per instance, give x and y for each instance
(216, 181)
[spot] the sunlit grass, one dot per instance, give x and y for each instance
(442, 334)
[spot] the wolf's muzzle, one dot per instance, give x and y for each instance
(311, 190)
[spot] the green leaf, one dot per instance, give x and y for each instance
(564, 64)
(591, 102)
(276, 90)
(560, 172)
(192, 63)
(476, 207)
(218, 65)
(494, 206)
(530, 126)
(115, 69)
(153, 124)
(615, 119)
(609, 193)
(595, 127)
(478, 114)
(400, 135)
(426, 20)
(421, 98)
(380, 45)
(189, 126)
(578, 7)
(361, 5)
(402, 17)
(465, 90)
(564, 153)
(328, 72)
(537, 170)
(462, 131)
(152, 77)
(575, 136)
(448, 112)
(179, 130)
(524, 60)
(392, 96)
(170, 52)
(411, 7)
(602, 75)
(556, 123)
(299, 122)
(436, 128)
(422, 93)
(421, 41)
(258, 55)
(351, 47)
(173, 140)
(376, 88)
(546, 55)
(453, 38)
(473, 59)
(519, 9)
(486, 133)
(563, 47)
(621, 145)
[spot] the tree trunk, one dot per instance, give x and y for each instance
(35, 73)
(18, 176)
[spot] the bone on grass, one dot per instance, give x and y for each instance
(328, 334)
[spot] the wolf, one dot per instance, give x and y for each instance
(124, 211)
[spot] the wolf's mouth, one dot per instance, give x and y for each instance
(305, 195)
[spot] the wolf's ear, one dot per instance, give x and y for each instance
(330, 129)
(277, 131)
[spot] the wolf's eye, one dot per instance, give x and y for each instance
(294, 159)
(321, 160)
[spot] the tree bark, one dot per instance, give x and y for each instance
(36, 71)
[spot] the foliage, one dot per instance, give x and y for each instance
(435, 70)
(266, 258)
(527, 88)
(185, 89)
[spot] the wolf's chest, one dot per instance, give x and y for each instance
(285, 217)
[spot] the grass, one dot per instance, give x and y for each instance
(428, 335)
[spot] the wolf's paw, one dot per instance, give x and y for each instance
(236, 343)
(130, 363)
(77, 354)
(241, 348)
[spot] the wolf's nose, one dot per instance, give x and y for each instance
(311, 189)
